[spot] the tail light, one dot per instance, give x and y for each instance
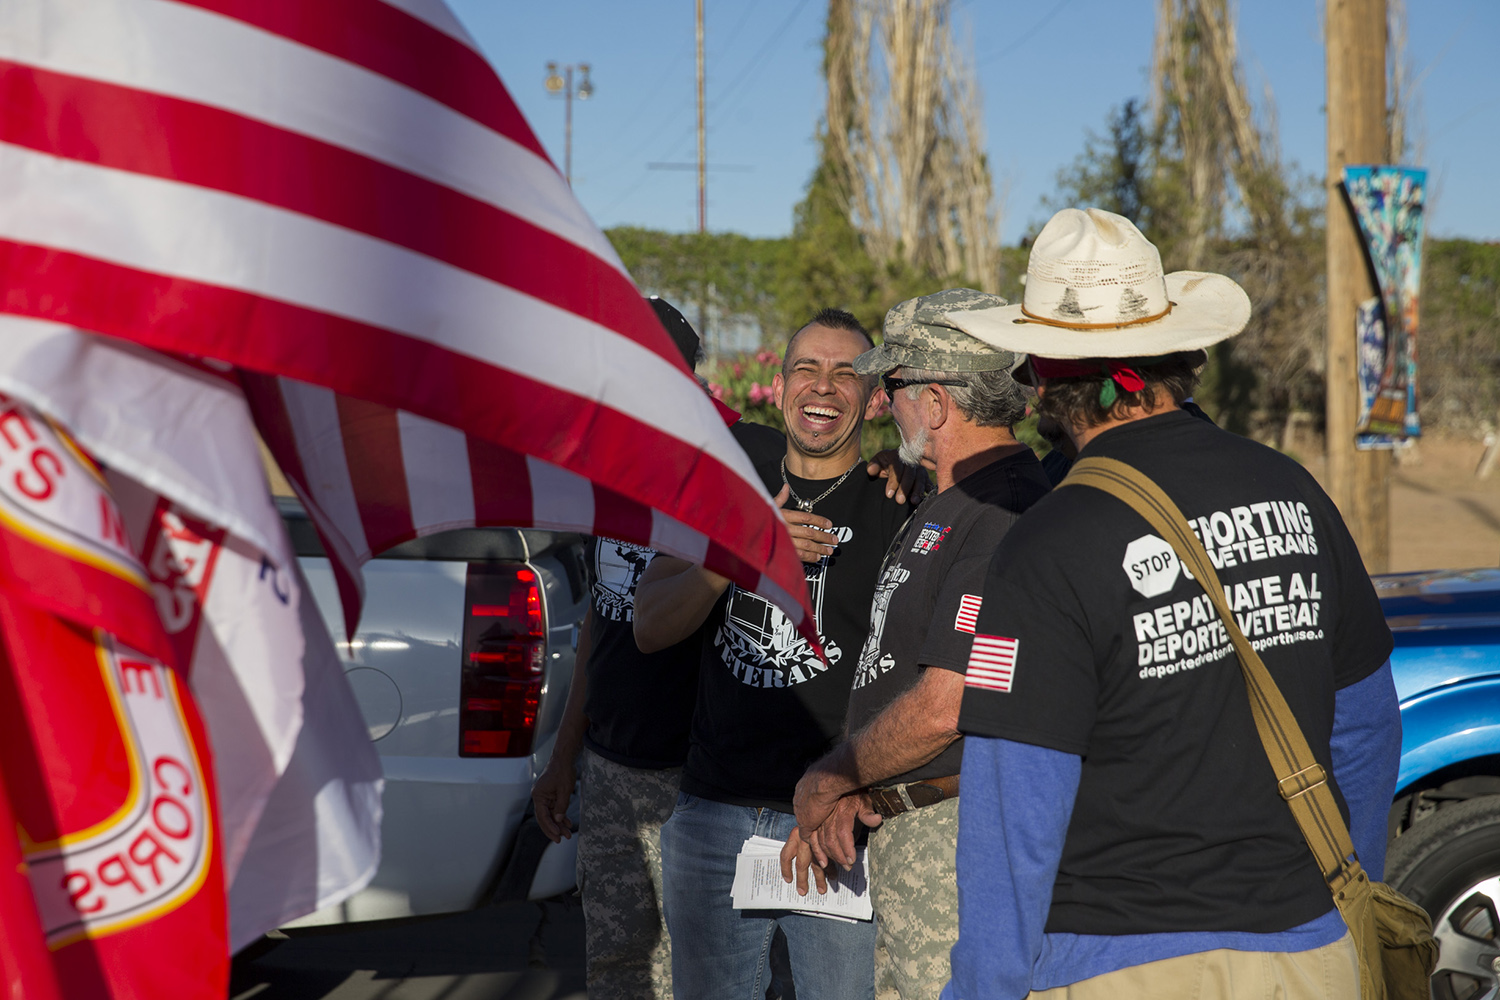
(504, 651)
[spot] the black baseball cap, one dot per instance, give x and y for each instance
(681, 331)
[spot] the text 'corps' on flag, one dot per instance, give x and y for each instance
(106, 767)
(374, 217)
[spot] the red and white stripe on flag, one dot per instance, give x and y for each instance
(372, 477)
(968, 613)
(992, 663)
(375, 218)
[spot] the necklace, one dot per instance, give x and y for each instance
(807, 505)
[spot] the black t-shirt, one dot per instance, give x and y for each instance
(925, 603)
(1092, 640)
(767, 706)
(765, 446)
(639, 705)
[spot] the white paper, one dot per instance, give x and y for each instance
(758, 885)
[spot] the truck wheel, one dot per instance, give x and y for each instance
(1449, 865)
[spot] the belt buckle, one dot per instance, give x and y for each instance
(890, 801)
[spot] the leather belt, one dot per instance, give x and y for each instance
(893, 800)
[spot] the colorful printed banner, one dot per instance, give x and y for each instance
(1388, 205)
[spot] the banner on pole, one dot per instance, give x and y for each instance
(1388, 204)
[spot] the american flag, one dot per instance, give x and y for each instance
(968, 613)
(992, 663)
(342, 197)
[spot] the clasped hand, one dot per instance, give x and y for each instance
(829, 844)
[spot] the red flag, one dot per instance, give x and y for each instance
(296, 774)
(373, 217)
(105, 762)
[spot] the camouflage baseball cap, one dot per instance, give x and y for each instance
(918, 334)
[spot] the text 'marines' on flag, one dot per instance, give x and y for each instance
(373, 217)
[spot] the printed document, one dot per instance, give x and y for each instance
(758, 885)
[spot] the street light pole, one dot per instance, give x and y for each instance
(562, 84)
(702, 135)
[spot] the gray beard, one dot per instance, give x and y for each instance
(911, 450)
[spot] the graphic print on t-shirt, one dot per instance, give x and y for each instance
(1272, 610)
(930, 539)
(868, 669)
(617, 569)
(762, 646)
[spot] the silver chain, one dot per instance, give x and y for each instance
(807, 505)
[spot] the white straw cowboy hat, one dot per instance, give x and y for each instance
(1095, 289)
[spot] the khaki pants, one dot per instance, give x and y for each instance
(914, 888)
(621, 810)
(1327, 973)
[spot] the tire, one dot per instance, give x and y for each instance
(1449, 865)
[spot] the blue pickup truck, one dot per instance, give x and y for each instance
(1445, 820)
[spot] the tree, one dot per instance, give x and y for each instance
(901, 202)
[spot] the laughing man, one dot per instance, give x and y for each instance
(767, 704)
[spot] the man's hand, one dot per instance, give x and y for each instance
(901, 481)
(814, 800)
(834, 840)
(809, 531)
(550, 795)
(796, 853)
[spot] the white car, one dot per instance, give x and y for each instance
(461, 666)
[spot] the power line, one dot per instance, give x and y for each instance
(735, 33)
(723, 102)
(1025, 36)
(720, 105)
(630, 121)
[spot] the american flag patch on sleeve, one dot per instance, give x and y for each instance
(992, 663)
(968, 613)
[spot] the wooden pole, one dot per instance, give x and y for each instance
(702, 136)
(1359, 481)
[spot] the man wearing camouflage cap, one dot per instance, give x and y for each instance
(955, 403)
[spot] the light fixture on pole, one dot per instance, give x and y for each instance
(561, 84)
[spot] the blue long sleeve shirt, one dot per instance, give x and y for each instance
(1010, 841)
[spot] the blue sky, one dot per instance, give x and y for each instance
(1050, 71)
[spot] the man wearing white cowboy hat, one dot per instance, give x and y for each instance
(1120, 831)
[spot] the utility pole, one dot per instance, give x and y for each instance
(702, 135)
(1359, 481)
(563, 85)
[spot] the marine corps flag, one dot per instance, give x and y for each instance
(105, 764)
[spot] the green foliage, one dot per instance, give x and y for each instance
(1115, 172)
(1273, 369)
(728, 272)
(1459, 334)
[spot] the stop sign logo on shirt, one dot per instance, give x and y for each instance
(1151, 565)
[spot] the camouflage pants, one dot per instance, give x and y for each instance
(621, 810)
(914, 887)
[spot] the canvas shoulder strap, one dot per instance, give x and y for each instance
(1300, 778)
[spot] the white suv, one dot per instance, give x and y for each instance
(461, 666)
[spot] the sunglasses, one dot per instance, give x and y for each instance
(892, 384)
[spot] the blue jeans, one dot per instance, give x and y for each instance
(720, 953)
